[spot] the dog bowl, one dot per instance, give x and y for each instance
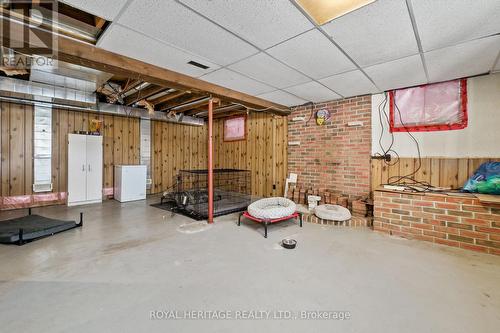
(289, 243)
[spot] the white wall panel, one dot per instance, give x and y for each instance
(479, 139)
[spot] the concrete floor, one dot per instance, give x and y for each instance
(130, 259)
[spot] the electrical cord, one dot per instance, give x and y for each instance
(261, 110)
(404, 180)
(381, 110)
(312, 112)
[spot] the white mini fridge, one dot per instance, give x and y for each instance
(130, 182)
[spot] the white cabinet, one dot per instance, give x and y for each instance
(84, 169)
(130, 182)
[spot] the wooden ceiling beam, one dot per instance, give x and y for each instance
(87, 55)
(143, 94)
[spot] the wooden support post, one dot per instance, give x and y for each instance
(210, 164)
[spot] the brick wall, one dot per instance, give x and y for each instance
(333, 157)
(454, 221)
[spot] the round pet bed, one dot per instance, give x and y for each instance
(272, 208)
(332, 212)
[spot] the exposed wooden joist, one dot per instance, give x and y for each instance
(99, 22)
(229, 114)
(192, 105)
(187, 98)
(225, 109)
(202, 109)
(168, 97)
(87, 55)
(142, 94)
(129, 84)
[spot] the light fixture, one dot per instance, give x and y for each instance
(323, 11)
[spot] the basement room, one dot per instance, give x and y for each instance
(250, 165)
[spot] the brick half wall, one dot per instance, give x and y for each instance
(447, 220)
(333, 156)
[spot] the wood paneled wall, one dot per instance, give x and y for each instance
(264, 152)
(438, 171)
(121, 140)
(175, 147)
(16, 124)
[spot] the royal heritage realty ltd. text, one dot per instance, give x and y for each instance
(248, 315)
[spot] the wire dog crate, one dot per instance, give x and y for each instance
(232, 192)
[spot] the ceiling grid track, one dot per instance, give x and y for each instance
(263, 51)
(320, 29)
(417, 37)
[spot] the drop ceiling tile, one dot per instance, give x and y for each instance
(313, 54)
(268, 70)
(349, 84)
(123, 41)
(175, 24)
(376, 33)
(467, 59)
(282, 97)
(401, 73)
(313, 92)
(232, 80)
(448, 22)
(263, 23)
(105, 9)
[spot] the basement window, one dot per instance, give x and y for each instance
(42, 150)
(433, 107)
(146, 148)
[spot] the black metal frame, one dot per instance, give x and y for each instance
(266, 222)
(232, 192)
(21, 241)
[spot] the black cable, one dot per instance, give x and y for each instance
(312, 113)
(410, 176)
(381, 110)
(406, 180)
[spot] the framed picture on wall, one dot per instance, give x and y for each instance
(235, 128)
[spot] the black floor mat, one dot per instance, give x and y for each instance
(33, 226)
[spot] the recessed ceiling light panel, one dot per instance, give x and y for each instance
(323, 11)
